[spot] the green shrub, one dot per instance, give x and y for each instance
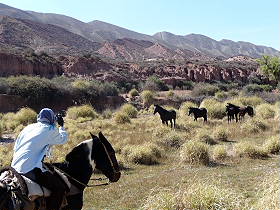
(246, 101)
(265, 111)
(254, 126)
(272, 145)
(219, 152)
(194, 152)
(25, 116)
(121, 118)
(215, 109)
(147, 97)
(247, 149)
(251, 101)
(170, 94)
(147, 154)
(6, 155)
(221, 95)
(220, 134)
(204, 89)
(204, 137)
(155, 84)
(171, 140)
(84, 111)
(133, 92)
(205, 196)
(33, 89)
(130, 110)
(107, 114)
(254, 88)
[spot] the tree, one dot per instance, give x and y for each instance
(270, 66)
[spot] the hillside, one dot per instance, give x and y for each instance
(102, 32)
(23, 34)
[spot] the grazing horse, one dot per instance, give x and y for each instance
(79, 164)
(243, 110)
(232, 111)
(166, 115)
(198, 112)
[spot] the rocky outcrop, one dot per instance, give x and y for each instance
(197, 72)
(85, 65)
(45, 66)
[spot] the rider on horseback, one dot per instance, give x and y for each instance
(32, 145)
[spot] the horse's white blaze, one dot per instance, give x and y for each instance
(89, 145)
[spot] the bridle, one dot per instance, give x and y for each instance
(97, 179)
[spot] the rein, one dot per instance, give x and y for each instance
(98, 179)
(81, 183)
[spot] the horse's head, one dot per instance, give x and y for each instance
(250, 111)
(190, 110)
(104, 157)
(95, 153)
(157, 107)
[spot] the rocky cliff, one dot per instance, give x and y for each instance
(43, 65)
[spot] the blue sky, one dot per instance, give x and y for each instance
(256, 21)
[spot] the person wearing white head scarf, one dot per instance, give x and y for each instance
(32, 145)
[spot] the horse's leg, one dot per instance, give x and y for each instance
(174, 122)
(236, 118)
(75, 202)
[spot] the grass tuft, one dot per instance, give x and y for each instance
(247, 149)
(272, 145)
(194, 152)
(121, 118)
(130, 110)
(85, 111)
(219, 152)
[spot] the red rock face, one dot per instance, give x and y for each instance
(18, 65)
(195, 72)
(84, 65)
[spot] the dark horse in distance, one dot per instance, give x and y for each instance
(79, 164)
(232, 112)
(243, 110)
(166, 115)
(198, 112)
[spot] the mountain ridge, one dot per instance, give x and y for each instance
(101, 32)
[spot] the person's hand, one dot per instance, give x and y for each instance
(59, 120)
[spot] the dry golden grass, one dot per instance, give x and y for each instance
(194, 152)
(215, 109)
(149, 154)
(219, 152)
(248, 149)
(265, 111)
(130, 110)
(269, 192)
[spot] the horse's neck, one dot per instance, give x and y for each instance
(80, 172)
(162, 110)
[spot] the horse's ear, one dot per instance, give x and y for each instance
(104, 140)
(101, 136)
(93, 136)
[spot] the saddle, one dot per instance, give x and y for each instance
(28, 187)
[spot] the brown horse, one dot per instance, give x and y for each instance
(243, 110)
